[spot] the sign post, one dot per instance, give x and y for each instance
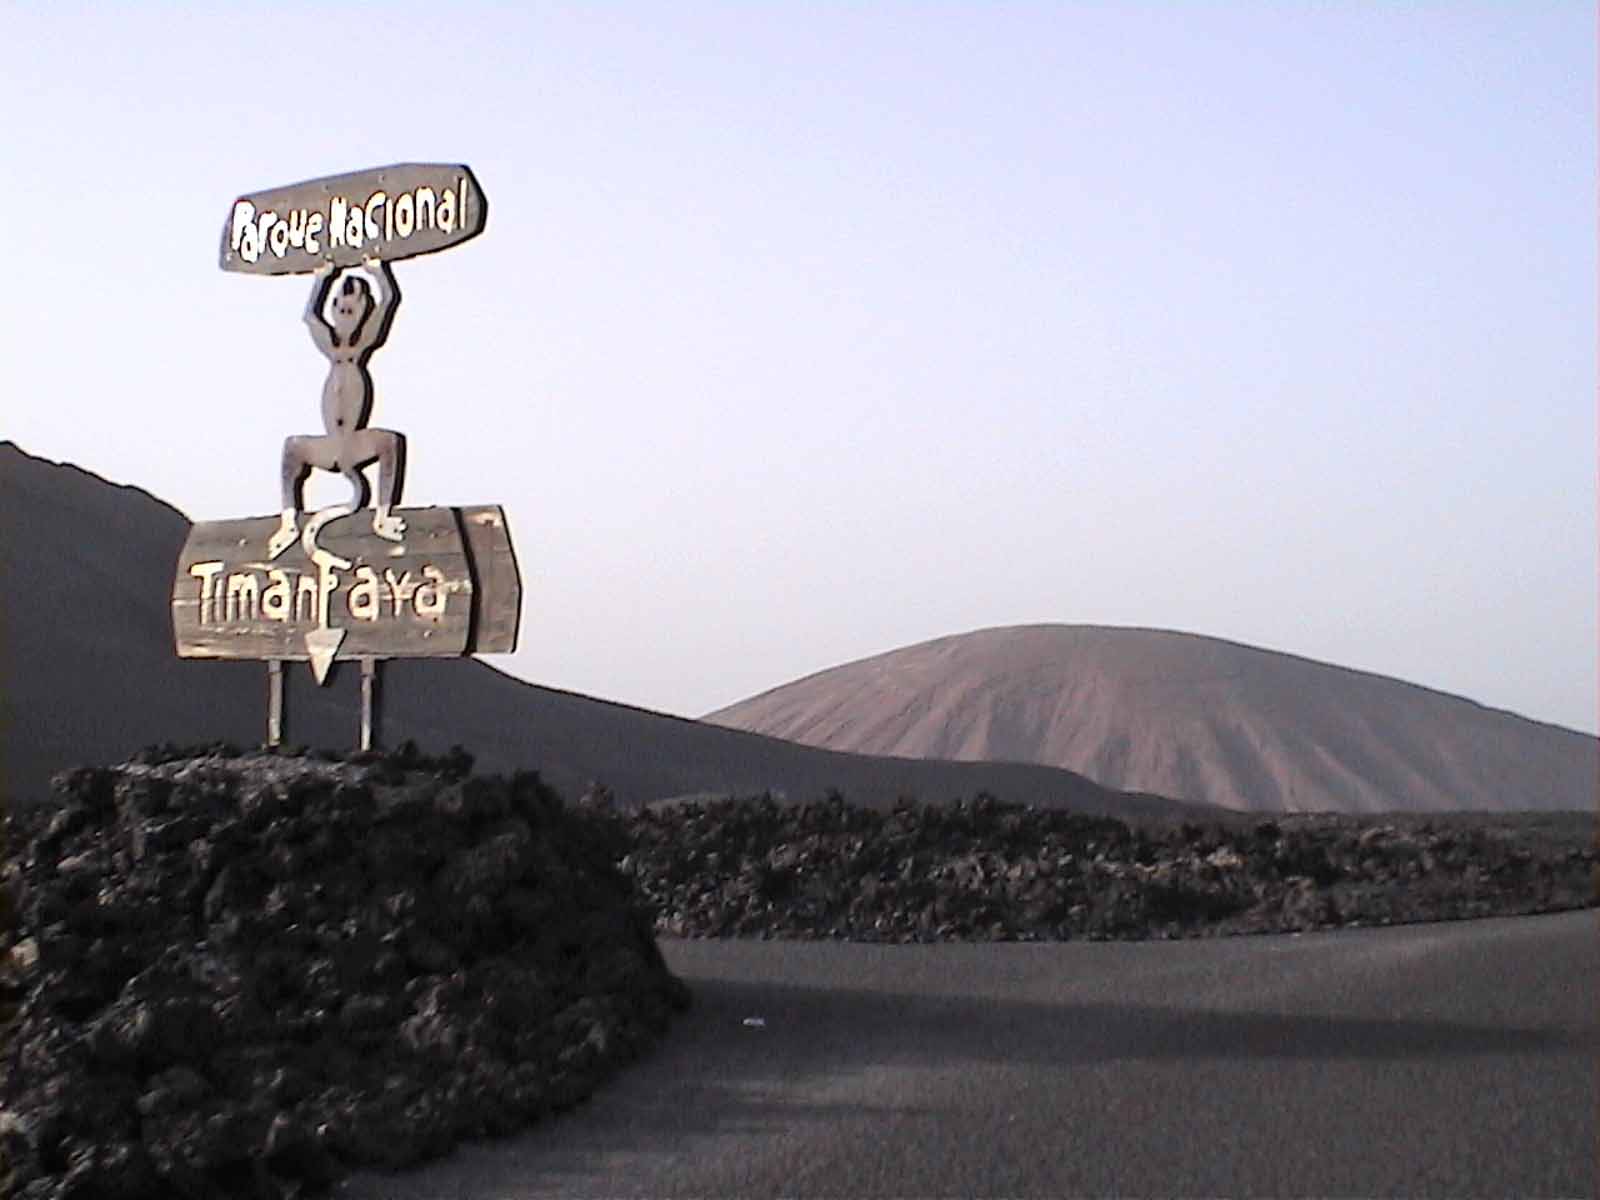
(369, 677)
(333, 585)
(274, 701)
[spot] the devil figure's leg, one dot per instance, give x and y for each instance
(299, 455)
(293, 470)
(388, 448)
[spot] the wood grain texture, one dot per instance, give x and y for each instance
(472, 606)
(407, 599)
(497, 584)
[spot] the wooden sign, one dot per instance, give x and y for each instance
(449, 587)
(386, 213)
(497, 585)
(336, 584)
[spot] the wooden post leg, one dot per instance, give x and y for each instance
(274, 701)
(369, 685)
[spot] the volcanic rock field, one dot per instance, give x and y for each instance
(240, 976)
(244, 974)
(987, 871)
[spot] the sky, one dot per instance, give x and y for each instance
(800, 333)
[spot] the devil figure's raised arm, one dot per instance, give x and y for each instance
(321, 333)
(376, 327)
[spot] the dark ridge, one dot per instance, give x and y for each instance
(90, 674)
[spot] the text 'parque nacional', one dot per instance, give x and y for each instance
(389, 213)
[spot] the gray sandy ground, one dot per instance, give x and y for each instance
(1433, 1060)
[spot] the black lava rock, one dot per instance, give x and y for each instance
(241, 974)
(984, 870)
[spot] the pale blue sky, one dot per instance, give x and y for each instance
(799, 333)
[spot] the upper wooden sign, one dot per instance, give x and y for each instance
(387, 213)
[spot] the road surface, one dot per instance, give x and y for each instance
(1454, 1059)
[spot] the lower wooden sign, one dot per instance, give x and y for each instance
(448, 586)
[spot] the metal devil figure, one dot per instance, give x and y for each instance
(333, 585)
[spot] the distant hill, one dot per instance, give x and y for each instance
(1183, 715)
(88, 675)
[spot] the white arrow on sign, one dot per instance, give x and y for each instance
(323, 644)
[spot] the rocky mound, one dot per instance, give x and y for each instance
(991, 871)
(1177, 714)
(242, 974)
